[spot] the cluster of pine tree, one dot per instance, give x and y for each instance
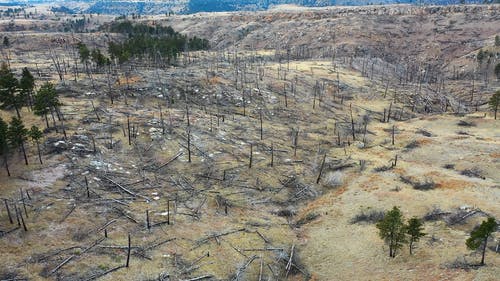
(151, 42)
(14, 95)
(395, 232)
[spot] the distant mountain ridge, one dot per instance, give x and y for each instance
(124, 7)
(195, 6)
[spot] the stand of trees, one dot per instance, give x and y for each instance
(14, 95)
(146, 41)
(396, 233)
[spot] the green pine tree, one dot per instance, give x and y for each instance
(26, 85)
(6, 41)
(10, 96)
(414, 230)
(494, 102)
(84, 52)
(392, 229)
(480, 56)
(35, 135)
(17, 134)
(46, 101)
(479, 237)
(4, 144)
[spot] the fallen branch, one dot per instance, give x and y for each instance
(105, 273)
(198, 278)
(170, 161)
(289, 264)
(204, 240)
(242, 269)
(68, 213)
(73, 256)
(125, 189)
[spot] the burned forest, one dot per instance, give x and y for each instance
(333, 143)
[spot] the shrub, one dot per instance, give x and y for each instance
(435, 214)
(424, 133)
(334, 179)
(426, 184)
(413, 144)
(449, 166)
(306, 219)
(472, 173)
(383, 168)
(464, 123)
(368, 216)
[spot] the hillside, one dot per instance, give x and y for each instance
(268, 151)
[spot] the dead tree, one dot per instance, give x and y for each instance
(128, 252)
(261, 130)
(321, 169)
(8, 211)
(250, 156)
(393, 133)
(352, 124)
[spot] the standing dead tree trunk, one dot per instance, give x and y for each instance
(128, 252)
(250, 156)
(8, 210)
(352, 124)
(261, 130)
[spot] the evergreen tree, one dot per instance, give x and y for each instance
(414, 231)
(480, 56)
(17, 134)
(392, 230)
(9, 90)
(497, 41)
(46, 101)
(6, 41)
(479, 237)
(27, 84)
(4, 144)
(99, 59)
(494, 102)
(35, 135)
(84, 52)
